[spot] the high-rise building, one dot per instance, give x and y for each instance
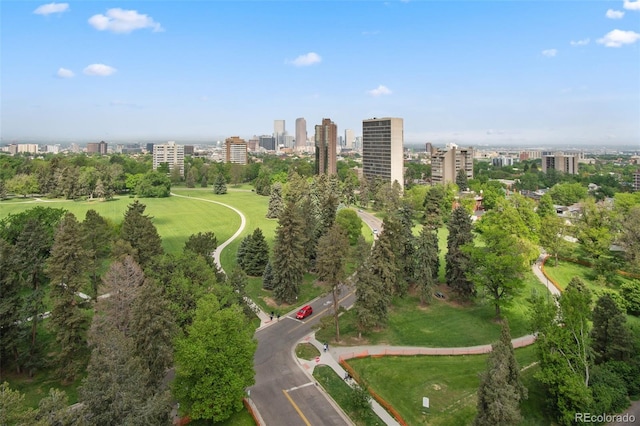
(279, 131)
(301, 132)
(348, 139)
(636, 180)
(268, 142)
(235, 150)
(97, 148)
(170, 153)
(445, 163)
(326, 140)
(560, 162)
(382, 149)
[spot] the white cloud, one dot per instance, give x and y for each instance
(101, 70)
(614, 14)
(580, 42)
(123, 21)
(550, 53)
(306, 60)
(64, 73)
(380, 90)
(631, 5)
(617, 38)
(48, 9)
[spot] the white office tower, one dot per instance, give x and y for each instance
(169, 153)
(279, 132)
(301, 133)
(383, 149)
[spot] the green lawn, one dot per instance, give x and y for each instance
(450, 383)
(175, 218)
(443, 324)
(565, 271)
(341, 392)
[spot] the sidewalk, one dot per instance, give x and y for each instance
(329, 359)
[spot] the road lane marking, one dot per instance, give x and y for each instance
(301, 386)
(304, 419)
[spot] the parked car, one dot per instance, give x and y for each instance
(304, 312)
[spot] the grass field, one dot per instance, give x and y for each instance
(565, 271)
(442, 324)
(341, 392)
(175, 218)
(450, 383)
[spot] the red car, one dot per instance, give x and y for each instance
(304, 312)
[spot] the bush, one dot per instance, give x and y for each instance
(631, 293)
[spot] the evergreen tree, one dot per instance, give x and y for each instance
(241, 255)
(66, 268)
(97, 234)
(397, 235)
(461, 180)
(288, 266)
(153, 329)
(139, 231)
(372, 299)
(3, 190)
(384, 266)
(427, 263)
(432, 204)
(498, 397)
(191, 179)
(220, 184)
(214, 362)
(203, 181)
(267, 277)
(10, 303)
(276, 204)
(203, 244)
(457, 260)
(330, 265)
(257, 254)
(610, 336)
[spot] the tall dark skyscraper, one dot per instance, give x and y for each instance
(326, 139)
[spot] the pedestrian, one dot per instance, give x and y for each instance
(326, 346)
(278, 316)
(271, 316)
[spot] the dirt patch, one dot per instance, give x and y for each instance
(270, 301)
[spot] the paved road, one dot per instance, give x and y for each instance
(284, 393)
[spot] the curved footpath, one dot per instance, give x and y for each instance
(332, 357)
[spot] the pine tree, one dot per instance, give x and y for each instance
(384, 265)
(498, 399)
(276, 204)
(10, 303)
(432, 204)
(241, 255)
(267, 277)
(203, 181)
(139, 231)
(220, 184)
(427, 263)
(257, 254)
(97, 233)
(287, 263)
(396, 235)
(203, 244)
(190, 182)
(372, 300)
(457, 260)
(330, 265)
(610, 336)
(461, 180)
(66, 268)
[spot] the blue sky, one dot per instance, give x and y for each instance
(472, 72)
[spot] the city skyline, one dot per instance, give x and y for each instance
(519, 73)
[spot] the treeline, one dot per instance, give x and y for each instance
(125, 313)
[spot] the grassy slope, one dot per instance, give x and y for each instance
(450, 383)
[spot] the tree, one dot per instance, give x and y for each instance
(330, 265)
(567, 193)
(23, 184)
(630, 236)
(351, 223)
(545, 206)
(276, 204)
(563, 349)
(427, 263)
(153, 184)
(254, 255)
(552, 232)
(214, 362)
(287, 263)
(267, 277)
(498, 267)
(594, 233)
(203, 181)
(461, 180)
(10, 303)
(97, 234)
(432, 203)
(372, 300)
(203, 244)
(610, 336)
(630, 291)
(220, 184)
(66, 268)
(458, 260)
(500, 390)
(139, 231)
(12, 407)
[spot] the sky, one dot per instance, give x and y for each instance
(471, 72)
